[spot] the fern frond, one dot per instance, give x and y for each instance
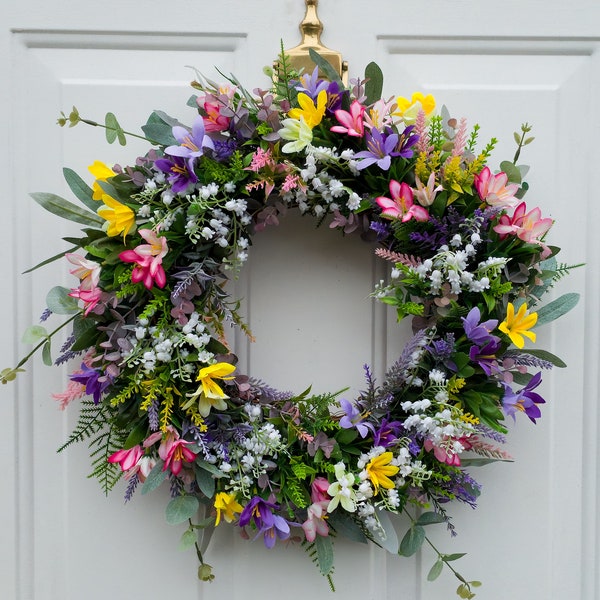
(92, 418)
(108, 442)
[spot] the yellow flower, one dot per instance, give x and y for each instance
(101, 172)
(379, 470)
(227, 505)
(121, 219)
(210, 394)
(409, 109)
(312, 114)
(516, 326)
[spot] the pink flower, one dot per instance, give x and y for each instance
(493, 190)
(528, 227)
(214, 120)
(87, 271)
(315, 523)
(318, 490)
(351, 122)
(443, 455)
(89, 297)
(127, 459)
(148, 259)
(172, 449)
(401, 205)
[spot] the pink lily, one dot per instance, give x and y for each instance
(175, 455)
(127, 459)
(87, 271)
(318, 490)
(528, 227)
(378, 115)
(401, 205)
(426, 193)
(351, 122)
(148, 259)
(90, 298)
(214, 120)
(493, 190)
(450, 458)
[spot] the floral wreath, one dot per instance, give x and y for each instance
(160, 396)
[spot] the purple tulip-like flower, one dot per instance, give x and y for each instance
(354, 419)
(479, 333)
(485, 356)
(258, 511)
(180, 172)
(380, 149)
(311, 85)
(95, 381)
(526, 400)
(406, 141)
(191, 143)
(278, 529)
(387, 433)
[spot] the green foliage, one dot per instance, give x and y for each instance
(92, 418)
(321, 554)
(108, 442)
(67, 210)
(181, 509)
(374, 82)
(114, 131)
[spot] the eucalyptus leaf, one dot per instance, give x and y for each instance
(159, 128)
(181, 509)
(59, 301)
(436, 570)
(206, 482)
(155, 477)
(324, 548)
(215, 471)
(412, 541)
(188, 539)
(453, 557)
(389, 538)
(67, 210)
(511, 170)
(430, 518)
(114, 131)
(374, 84)
(34, 334)
(47, 354)
(345, 525)
(325, 67)
(557, 308)
(80, 188)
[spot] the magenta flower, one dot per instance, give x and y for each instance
(401, 205)
(318, 490)
(493, 190)
(89, 297)
(351, 123)
(148, 260)
(127, 459)
(175, 453)
(380, 149)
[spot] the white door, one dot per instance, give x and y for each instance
(534, 535)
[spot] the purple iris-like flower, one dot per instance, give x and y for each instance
(191, 143)
(388, 433)
(479, 333)
(335, 97)
(278, 529)
(311, 84)
(95, 381)
(260, 512)
(526, 400)
(380, 149)
(179, 170)
(406, 141)
(485, 356)
(353, 418)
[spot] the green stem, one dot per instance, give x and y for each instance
(135, 135)
(46, 338)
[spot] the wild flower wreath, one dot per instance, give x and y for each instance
(469, 262)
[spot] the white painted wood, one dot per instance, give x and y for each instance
(535, 533)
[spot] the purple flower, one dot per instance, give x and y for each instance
(179, 170)
(479, 333)
(353, 418)
(526, 400)
(388, 433)
(441, 351)
(191, 144)
(485, 356)
(311, 84)
(259, 511)
(95, 381)
(380, 149)
(406, 141)
(278, 529)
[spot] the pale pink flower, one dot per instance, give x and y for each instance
(527, 226)
(378, 116)
(87, 271)
(493, 189)
(426, 193)
(315, 523)
(351, 122)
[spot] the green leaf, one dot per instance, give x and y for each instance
(215, 471)
(557, 308)
(455, 556)
(480, 462)
(67, 210)
(206, 482)
(346, 436)
(412, 541)
(324, 548)
(114, 130)
(136, 436)
(181, 509)
(155, 477)
(59, 301)
(80, 188)
(188, 539)
(50, 260)
(159, 128)
(430, 518)
(345, 525)
(545, 355)
(374, 84)
(47, 354)
(511, 170)
(325, 67)
(34, 334)
(436, 570)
